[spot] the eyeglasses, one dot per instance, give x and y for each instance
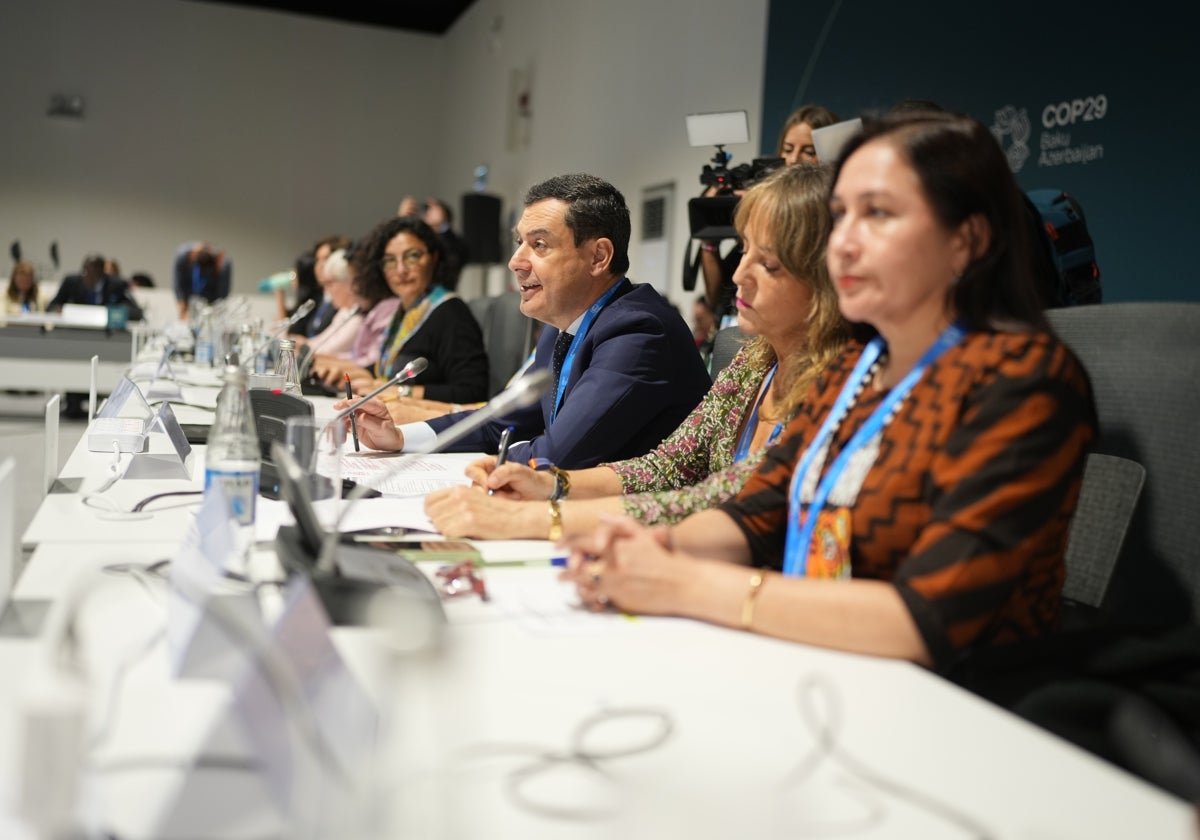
(391, 262)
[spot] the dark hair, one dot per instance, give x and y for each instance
(93, 261)
(814, 116)
(917, 106)
(335, 243)
(206, 261)
(141, 278)
(595, 209)
(307, 287)
(964, 173)
(369, 281)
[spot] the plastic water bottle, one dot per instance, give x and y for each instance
(206, 345)
(247, 349)
(286, 367)
(262, 361)
(232, 457)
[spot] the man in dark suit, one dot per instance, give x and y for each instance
(93, 286)
(624, 363)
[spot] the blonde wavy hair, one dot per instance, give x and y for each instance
(790, 208)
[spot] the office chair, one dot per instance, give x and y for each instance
(507, 336)
(1144, 363)
(1107, 499)
(726, 345)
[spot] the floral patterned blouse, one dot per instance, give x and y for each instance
(693, 469)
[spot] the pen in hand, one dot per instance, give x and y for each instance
(353, 421)
(502, 452)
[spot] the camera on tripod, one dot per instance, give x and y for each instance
(711, 217)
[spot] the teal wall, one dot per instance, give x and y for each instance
(1121, 87)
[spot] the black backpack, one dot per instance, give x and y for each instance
(1069, 273)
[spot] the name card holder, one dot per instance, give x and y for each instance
(167, 453)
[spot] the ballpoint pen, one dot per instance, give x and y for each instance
(502, 452)
(353, 420)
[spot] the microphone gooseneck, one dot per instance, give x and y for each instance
(521, 394)
(302, 310)
(410, 371)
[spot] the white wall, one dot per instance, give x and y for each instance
(611, 83)
(263, 131)
(256, 130)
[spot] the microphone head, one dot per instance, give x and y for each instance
(414, 368)
(306, 307)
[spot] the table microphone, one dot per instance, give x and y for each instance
(301, 310)
(523, 393)
(410, 371)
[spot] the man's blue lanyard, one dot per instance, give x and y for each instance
(743, 447)
(799, 537)
(589, 316)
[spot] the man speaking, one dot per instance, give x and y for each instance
(624, 365)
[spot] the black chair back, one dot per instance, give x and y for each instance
(1144, 364)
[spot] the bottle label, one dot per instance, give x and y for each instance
(204, 353)
(241, 490)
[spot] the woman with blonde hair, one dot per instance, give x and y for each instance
(23, 294)
(785, 301)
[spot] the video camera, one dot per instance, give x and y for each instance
(711, 217)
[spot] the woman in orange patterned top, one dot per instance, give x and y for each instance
(918, 505)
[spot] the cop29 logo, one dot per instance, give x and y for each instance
(1056, 145)
(1063, 114)
(1011, 127)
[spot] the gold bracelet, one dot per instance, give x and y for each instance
(756, 582)
(556, 526)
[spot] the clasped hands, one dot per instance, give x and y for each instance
(630, 567)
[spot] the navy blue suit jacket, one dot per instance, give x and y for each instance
(635, 377)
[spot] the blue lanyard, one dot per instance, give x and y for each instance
(799, 538)
(589, 316)
(743, 447)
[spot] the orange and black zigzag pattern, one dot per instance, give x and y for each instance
(968, 505)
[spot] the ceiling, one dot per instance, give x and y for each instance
(430, 16)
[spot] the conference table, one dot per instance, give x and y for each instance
(49, 352)
(522, 716)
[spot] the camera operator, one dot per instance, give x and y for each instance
(795, 146)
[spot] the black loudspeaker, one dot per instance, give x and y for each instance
(481, 227)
